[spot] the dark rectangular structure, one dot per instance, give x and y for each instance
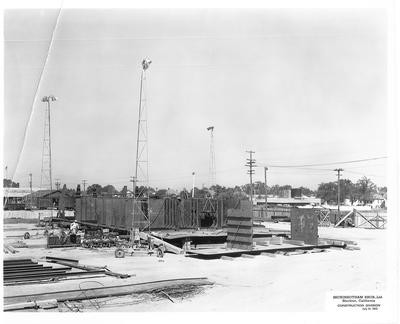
(304, 226)
(167, 213)
(240, 227)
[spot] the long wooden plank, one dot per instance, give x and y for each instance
(90, 268)
(169, 247)
(217, 253)
(30, 269)
(101, 292)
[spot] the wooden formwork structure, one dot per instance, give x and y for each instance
(168, 213)
(240, 227)
(272, 213)
(365, 219)
(323, 217)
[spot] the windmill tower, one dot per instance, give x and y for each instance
(141, 177)
(212, 172)
(46, 181)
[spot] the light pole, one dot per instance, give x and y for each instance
(193, 178)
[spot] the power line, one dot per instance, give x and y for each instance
(366, 174)
(330, 163)
(187, 37)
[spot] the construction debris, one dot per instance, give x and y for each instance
(173, 288)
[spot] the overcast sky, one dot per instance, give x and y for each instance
(296, 86)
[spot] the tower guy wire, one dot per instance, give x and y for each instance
(42, 73)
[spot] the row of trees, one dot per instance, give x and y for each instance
(222, 192)
(364, 190)
(8, 183)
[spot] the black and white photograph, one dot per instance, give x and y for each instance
(172, 159)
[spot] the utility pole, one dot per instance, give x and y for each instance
(84, 185)
(266, 192)
(193, 178)
(338, 189)
(251, 164)
(46, 181)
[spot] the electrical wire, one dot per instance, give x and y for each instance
(329, 163)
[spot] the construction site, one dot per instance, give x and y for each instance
(82, 250)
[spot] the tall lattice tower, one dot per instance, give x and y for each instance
(46, 181)
(141, 177)
(212, 172)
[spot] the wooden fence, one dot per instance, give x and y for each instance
(374, 218)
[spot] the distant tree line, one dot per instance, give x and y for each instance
(217, 191)
(364, 191)
(8, 183)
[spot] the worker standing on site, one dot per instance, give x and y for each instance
(74, 227)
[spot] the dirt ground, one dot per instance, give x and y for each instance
(244, 284)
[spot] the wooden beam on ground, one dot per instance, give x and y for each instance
(317, 250)
(294, 242)
(349, 247)
(337, 248)
(295, 252)
(109, 291)
(271, 255)
(89, 268)
(43, 304)
(168, 247)
(247, 256)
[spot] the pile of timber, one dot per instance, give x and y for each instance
(17, 271)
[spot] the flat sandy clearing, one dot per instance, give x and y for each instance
(262, 283)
